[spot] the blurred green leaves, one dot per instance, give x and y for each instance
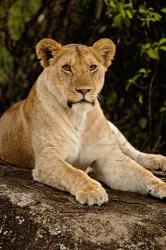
(124, 11)
(6, 65)
(148, 15)
(121, 12)
(138, 78)
(153, 49)
(20, 13)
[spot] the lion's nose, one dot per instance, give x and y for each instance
(83, 91)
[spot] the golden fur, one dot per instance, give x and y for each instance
(59, 129)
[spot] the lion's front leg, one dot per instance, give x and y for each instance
(50, 169)
(122, 173)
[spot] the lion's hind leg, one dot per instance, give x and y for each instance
(122, 173)
(148, 161)
(152, 161)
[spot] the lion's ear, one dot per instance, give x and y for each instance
(46, 49)
(106, 49)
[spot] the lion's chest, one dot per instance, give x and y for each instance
(72, 148)
(79, 153)
(75, 146)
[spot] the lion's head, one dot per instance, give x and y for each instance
(77, 70)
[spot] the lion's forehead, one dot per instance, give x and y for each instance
(77, 53)
(72, 45)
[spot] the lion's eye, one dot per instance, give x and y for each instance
(66, 67)
(93, 67)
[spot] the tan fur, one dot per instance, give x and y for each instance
(58, 136)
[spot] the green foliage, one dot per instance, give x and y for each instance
(135, 85)
(122, 12)
(20, 13)
(138, 78)
(142, 35)
(148, 15)
(153, 49)
(6, 64)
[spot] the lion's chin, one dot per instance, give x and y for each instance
(82, 107)
(83, 103)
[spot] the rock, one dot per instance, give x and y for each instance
(35, 216)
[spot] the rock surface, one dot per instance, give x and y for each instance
(35, 216)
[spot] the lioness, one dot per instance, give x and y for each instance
(59, 129)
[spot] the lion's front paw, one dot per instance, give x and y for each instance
(155, 162)
(158, 189)
(92, 194)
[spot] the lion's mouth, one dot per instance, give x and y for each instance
(70, 103)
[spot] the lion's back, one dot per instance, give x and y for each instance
(14, 141)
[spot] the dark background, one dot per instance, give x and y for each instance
(134, 96)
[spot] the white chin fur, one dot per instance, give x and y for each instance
(82, 107)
